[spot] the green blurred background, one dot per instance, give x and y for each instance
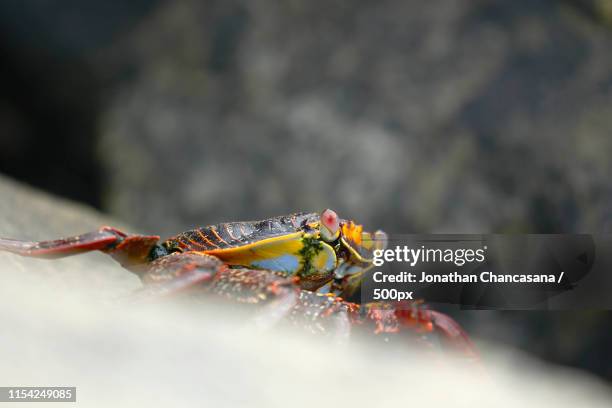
(409, 116)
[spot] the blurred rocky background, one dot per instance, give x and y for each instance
(410, 116)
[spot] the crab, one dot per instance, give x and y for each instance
(300, 267)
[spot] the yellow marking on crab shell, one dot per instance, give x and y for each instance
(281, 253)
(237, 249)
(269, 248)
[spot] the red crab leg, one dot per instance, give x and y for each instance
(177, 272)
(392, 318)
(284, 300)
(280, 296)
(129, 250)
(59, 248)
(453, 332)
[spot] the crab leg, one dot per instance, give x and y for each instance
(180, 271)
(392, 318)
(175, 273)
(277, 309)
(315, 312)
(280, 296)
(129, 250)
(59, 248)
(453, 333)
(282, 299)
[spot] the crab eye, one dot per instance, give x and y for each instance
(330, 225)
